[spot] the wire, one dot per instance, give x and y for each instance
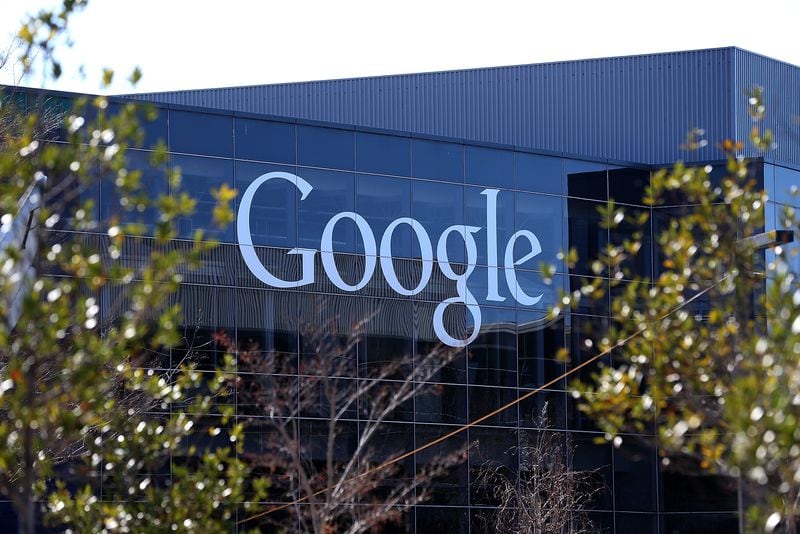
(483, 418)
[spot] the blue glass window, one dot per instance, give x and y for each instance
(265, 140)
(198, 177)
(542, 215)
(383, 154)
(325, 147)
(538, 173)
(489, 166)
(586, 179)
(438, 206)
(437, 160)
(273, 212)
(334, 192)
(380, 200)
(786, 181)
(201, 133)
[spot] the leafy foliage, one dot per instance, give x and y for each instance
(709, 347)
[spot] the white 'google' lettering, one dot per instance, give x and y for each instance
(464, 295)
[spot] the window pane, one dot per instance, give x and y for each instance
(538, 173)
(438, 206)
(334, 192)
(383, 154)
(201, 133)
(628, 185)
(325, 147)
(381, 200)
(541, 215)
(265, 140)
(489, 166)
(437, 160)
(273, 212)
(586, 179)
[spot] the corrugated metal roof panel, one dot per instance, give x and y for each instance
(636, 108)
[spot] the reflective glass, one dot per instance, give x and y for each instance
(539, 339)
(489, 167)
(383, 154)
(634, 476)
(334, 192)
(200, 133)
(265, 140)
(538, 173)
(494, 449)
(438, 206)
(787, 181)
(325, 147)
(437, 160)
(450, 520)
(586, 179)
(381, 200)
(586, 233)
(628, 185)
(541, 215)
(451, 488)
(273, 211)
(198, 177)
(492, 357)
(480, 202)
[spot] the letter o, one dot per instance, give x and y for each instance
(326, 251)
(386, 256)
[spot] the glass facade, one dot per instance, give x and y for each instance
(475, 222)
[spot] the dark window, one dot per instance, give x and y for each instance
(383, 154)
(539, 339)
(201, 133)
(452, 487)
(538, 173)
(493, 452)
(437, 160)
(492, 356)
(198, 177)
(628, 185)
(265, 140)
(634, 476)
(325, 147)
(586, 179)
(587, 234)
(484, 400)
(489, 167)
(442, 403)
(595, 458)
(450, 520)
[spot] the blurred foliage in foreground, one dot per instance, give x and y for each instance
(92, 437)
(709, 348)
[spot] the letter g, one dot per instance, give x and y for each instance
(246, 237)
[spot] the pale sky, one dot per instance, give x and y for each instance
(182, 44)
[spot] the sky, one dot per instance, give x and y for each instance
(184, 44)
